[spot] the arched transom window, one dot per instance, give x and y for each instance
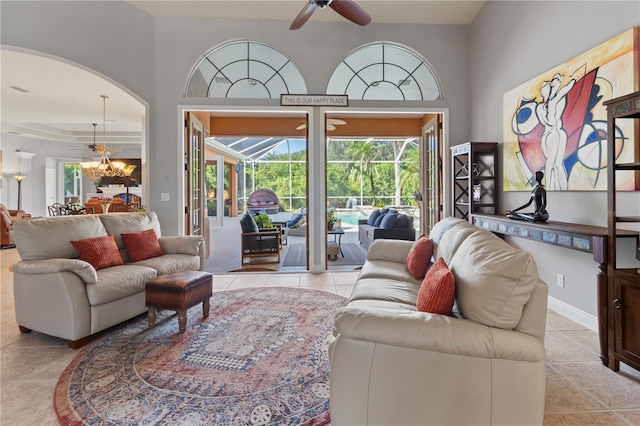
(245, 69)
(384, 71)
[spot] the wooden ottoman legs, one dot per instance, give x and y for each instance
(152, 315)
(178, 291)
(182, 315)
(206, 306)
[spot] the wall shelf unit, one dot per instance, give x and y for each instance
(474, 167)
(619, 302)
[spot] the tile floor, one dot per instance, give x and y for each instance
(580, 391)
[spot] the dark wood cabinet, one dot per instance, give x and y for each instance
(621, 304)
(627, 319)
(474, 167)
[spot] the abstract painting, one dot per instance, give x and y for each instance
(556, 123)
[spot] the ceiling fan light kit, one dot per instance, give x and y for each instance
(347, 8)
(331, 124)
(105, 167)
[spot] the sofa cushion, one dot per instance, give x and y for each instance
(116, 224)
(419, 257)
(373, 216)
(402, 221)
(442, 226)
(389, 220)
(392, 250)
(184, 244)
(386, 269)
(385, 289)
(294, 220)
(382, 304)
(248, 223)
(50, 238)
(493, 279)
(438, 290)
(100, 252)
(118, 282)
(169, 263)
(452, 239)
(378, 220)
(141, 245)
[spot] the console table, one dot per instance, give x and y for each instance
(586, 238)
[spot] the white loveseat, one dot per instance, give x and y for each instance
(394, 365)
(58, 294)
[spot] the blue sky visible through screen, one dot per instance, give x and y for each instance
(297, 145)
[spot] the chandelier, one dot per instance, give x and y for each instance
(105, 167)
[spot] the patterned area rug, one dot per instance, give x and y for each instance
(353, 255)
(260, 358)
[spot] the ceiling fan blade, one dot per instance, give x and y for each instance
(303, 16)
(301, 127)
(351, 11)
(336, 121)
(330, 127)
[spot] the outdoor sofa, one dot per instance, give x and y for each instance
(263, 199)
(385, 224)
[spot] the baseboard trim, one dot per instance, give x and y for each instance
(574, 314)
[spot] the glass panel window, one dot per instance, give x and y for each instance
(245, 69)
(72, 183)
(384, 71)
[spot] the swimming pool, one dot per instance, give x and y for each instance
(351, 218)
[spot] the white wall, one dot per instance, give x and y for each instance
(511, 43)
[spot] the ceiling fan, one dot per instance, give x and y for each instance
(331, 124)
(98, 148)
(95, 147)
(346, 8)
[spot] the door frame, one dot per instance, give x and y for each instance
(316, 151)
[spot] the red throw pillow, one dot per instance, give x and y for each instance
(419, 257)
(100, 252)
(438, 290)
(142, 245)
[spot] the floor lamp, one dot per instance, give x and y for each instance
(19, 179)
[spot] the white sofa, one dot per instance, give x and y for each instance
(394, 365)
(58, 294)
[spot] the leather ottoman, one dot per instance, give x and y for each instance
(179, 291)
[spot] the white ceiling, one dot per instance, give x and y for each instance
(454, 12)
(63, 99)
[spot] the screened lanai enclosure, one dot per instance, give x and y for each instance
(361, 172)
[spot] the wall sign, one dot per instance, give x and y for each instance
(314, 100)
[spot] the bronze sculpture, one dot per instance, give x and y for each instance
(539, 198)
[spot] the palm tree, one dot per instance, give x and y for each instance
(365, 152)
(410, 174)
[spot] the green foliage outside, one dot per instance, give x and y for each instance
(331, 216)
(287, 179)
(371, 172)
(359, 170)
(72, 173)
(263, 221)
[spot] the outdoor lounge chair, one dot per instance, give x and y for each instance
(263, 199)
(259, 243)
